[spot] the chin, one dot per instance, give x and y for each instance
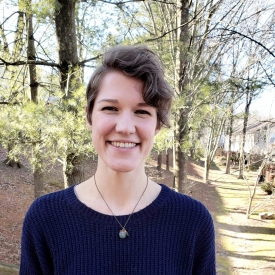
(122, 168)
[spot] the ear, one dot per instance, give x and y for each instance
(89, 125)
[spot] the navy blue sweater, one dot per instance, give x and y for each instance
(173, 235)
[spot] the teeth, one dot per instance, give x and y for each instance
(123, 144)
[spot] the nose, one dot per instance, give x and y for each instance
(125, 124)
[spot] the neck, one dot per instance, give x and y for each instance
(120, 188)
(120, 185)
(124, 205)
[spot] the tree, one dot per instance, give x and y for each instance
(193, 38)
(214, 121)
(163, 141)
(66, 34)
(191, 41)
(230, 132)
(12, 87)
(31, 55)
(28, 54)
(67, 45)
(250, 92)
(179, 32)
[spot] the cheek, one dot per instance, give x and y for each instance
(101, 127)
(148, 133)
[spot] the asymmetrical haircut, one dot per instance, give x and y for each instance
(141, 63)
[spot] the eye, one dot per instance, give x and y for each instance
(109, 108)
(142, 112)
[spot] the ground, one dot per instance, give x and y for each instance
(243, 246)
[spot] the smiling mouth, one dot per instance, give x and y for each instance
(123, 144)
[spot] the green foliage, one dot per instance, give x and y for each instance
(186, 145)
(68, 131)
(268, 187)
(42, 9)
(163, 140)
(205, 90)
(198, 150)
(49, 130)
(58, 128)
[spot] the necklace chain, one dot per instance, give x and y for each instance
(123, 232)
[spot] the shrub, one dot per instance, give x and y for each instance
(268, 187)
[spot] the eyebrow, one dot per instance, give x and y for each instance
(108, 100)
(141, 104)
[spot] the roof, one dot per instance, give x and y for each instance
(253, 127)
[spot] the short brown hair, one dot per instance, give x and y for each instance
(141, 63)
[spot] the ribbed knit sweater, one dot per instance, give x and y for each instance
(171, 236)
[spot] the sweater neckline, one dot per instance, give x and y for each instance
(91, 214)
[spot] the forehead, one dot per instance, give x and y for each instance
(116, 84)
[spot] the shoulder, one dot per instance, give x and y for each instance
(52, 197)
(177, 198)
(185, 207)
(48, 204)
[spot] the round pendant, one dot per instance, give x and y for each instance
(123, 233)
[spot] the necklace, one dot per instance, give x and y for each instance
(123, 232)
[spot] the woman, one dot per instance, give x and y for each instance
(120, 221)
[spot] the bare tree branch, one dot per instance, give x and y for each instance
(267, 75)
(83, 62)
(250, 38)
(19, 62)
(19, 12)
(118, 3)
(8, 103)
(43, 63)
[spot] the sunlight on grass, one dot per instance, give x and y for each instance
(223, 265)
(248, 243)
(257, 236)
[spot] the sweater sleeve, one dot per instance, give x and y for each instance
(35, 254)
(204, 260)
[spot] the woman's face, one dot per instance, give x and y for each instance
(123, 125)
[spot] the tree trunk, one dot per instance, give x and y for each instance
(9, 161)
(16, 53)
(159, 161)
(216, 125)
(207, 164)
(249, 95)
(31, 55)
(181, 81)
(180, 170)
(228, 155)
(181, 133)
(65, 171)
(72, 170)
(67, 44)
(68, 72)
(19, 36)
(167, 160)
(251, 195)
(80, 34)
(38, 178)
(228, 162)
(192, 152)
